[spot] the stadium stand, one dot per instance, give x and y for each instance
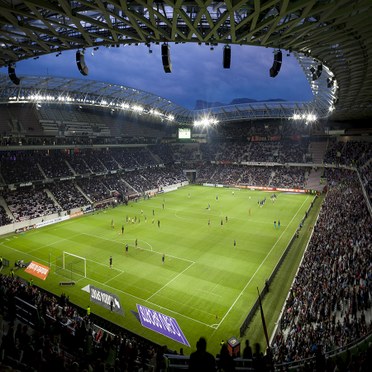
(335, 319)
(57, 158)
(330, 297)
(29, 203)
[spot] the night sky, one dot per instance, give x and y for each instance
(197, 72)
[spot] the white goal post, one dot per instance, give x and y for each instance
(74, 263)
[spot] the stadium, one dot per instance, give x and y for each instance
(133, 228)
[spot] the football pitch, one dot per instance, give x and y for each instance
(218, 245)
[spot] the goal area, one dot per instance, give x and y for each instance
(71, 266)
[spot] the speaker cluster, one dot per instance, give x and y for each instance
(80, 61)
(12, 74)
(226, 56)
(277, 64)
(165, 57)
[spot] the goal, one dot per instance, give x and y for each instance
(71, 266)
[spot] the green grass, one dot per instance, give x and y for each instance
(206, 284)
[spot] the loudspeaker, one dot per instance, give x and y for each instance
(165, 57)
(277, 64)
(12, 75)
(80, 61)
(226, 56)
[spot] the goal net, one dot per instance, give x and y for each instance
(71, 266)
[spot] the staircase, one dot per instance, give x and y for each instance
(317, 151)
(314, 180)
(5, 206)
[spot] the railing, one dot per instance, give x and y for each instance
(176, 362)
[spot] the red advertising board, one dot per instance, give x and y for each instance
(38, 270)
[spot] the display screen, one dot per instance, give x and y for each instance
(184, 133)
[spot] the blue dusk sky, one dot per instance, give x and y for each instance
(197, 72)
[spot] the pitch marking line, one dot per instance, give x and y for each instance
(259, 267)
(165, 285)
(108, 280)
(207, 292)
(186, 304)
(144, 249)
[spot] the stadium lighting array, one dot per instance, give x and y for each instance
(307, 118)
(137, 108)
(205, 122)
(39, 98)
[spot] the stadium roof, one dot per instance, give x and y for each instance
(86, 92)
(335, 33)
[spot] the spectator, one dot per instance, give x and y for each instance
(225, 362)
(201, 360)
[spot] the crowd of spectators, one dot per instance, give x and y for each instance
(28, 166)
(116, 185)
(256, 175)
(29, 203)
(161, 177)
(282, 152)
(351, 153)
(19, 167)
(126, 158)
(93, 161)
(226, 175)
(54, 165)
(330, 299)
(67, 195)
(79, 164)
(289, 177)
(164, 152)
(267, 176)
(355, 154)
(205, 174)
(154, 178)
(264, 129)
(65, 337)
(39, 165)
(95, 190)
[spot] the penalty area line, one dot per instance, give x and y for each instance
(166, 284)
